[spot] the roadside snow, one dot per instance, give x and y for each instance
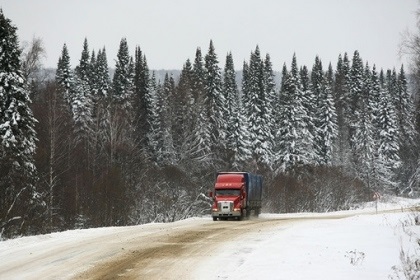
(325, 246)
(360, 247)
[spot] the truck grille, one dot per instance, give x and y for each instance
(225, 206)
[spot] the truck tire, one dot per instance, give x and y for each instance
(214, 218)
(241, 217)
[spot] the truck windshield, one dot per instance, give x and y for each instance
(228, 192)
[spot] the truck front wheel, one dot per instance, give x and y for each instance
(214, 218)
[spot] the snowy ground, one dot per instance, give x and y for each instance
(360, 247)
(356, 244)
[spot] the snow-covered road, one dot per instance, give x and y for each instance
(341, 245)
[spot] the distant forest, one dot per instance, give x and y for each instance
(83, 148)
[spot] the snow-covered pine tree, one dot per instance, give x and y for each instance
(259, 107)
(100, 90)
(155, 133)
(18, 194)
(185, 125)
(295, 141)
(237, 130)
(83, 69)
(341, 97)
(102, 81)
(82, 104)
(120, 118)
(245, 88)
(92, 74)
(93, 78)
(279, 106)
(122, 81)
(317, 78)
(231, 93)
(64, 75)
(304, 79)
(168, 154)
(202, 135)
(374, 101)
(388, 160)
(284, 73)
(141, 107)
(327, 130)
(199, 77)
(361, 130)
(314, 105)
(269, 115)
(408, 137)
(254, 90)
(214, 101)
(406, 110)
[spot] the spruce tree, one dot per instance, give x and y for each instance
(119, 132)
(82, 103)
(341, 97)
(92, 74)
(103, 81)
(18, 194)
(406, 112)
(269, 98)
(284, 73)
(361, 132)
(388, 160)
(122, 81)
(83, 70)
(185, 125)
(100, 87)
(214, 101)
(295, 140)
(201, 113)
(154, 134)
(327, 130)
(237, 130)
(64, 75)
(168, 154)
(259, 101)
(198, 76)
(409, 148)
(315, 106)
(141, 106)
(231, 94)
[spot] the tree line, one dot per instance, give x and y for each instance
(94, 150)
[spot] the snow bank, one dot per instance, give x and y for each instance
(359, 247)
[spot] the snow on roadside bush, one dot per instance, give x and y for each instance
(409, 231)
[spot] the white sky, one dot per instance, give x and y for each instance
(169, 31)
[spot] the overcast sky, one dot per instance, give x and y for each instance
(169, 31)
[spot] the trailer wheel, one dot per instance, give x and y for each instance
(248, 213)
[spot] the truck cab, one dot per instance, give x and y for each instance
(229, 197)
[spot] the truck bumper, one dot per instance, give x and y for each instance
(220, 214)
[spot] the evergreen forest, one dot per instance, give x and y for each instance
(84, 148)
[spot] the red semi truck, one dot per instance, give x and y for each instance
(235, 195)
